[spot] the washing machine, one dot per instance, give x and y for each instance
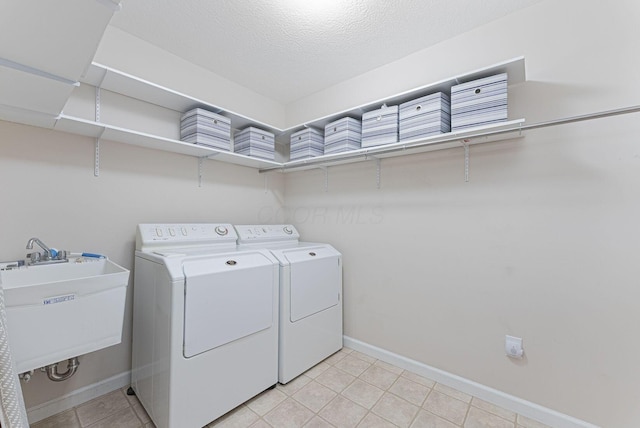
(310, 296)
(205, 322)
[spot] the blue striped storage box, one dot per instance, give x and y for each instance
(306, 143)
(425, 116)
(255, 142)
(479, 102)
(206, 128)
(380, 126)
(342, 135)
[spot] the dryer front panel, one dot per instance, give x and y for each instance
(226, 298)
(315, 283)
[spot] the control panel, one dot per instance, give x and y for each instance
(160, 235)
(249, 233)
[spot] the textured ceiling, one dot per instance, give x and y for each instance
(288, 49)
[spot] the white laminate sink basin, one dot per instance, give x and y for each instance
(59, 311)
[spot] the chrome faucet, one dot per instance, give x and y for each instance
(47, 250)
(47, 257)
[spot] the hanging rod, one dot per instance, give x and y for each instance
(36, 72)
(398, 147)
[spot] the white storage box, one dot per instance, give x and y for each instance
(255, 142)
(380, 126)
(479, 102)
(203, 127)
(306, 143)
(342, 135)
(425, 116)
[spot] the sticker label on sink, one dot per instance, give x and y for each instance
(58, 299)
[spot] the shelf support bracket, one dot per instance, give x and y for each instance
(465, 144)
(200, 159)
(96, 159)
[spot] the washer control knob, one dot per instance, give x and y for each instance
(287, 230)
(158, 231)
(183, 230)
(221, 230)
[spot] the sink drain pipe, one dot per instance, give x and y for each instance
(12, 411)
(54, 375)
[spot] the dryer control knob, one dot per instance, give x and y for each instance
(221, 230)
(287, 230)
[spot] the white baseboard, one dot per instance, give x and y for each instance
(77, 397)
(525, 408)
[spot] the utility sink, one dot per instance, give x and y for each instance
(59, 311)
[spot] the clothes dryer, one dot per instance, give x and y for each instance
(310, 296)
(205, 322)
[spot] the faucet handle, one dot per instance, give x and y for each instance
(34, 257)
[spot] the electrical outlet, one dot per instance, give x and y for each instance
(513, 346)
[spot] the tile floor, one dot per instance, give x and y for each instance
(348, 389)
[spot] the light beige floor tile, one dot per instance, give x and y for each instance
(364, 357)
(492, 408)
(374, 421)
(395, 409)
(101, 407)
(411, 391)
(125, 418)
(289, 414)
(352, 365)
(335, 379)
(389, 367)
(452, 392)
(240, 417)
(141, 413)
(314, 371)
(266, 401)
(363, 393)
(294, 385)
(314, 395)
(429, 420)
(379, 377)
(347, 350)
(318, 422)
(343, 413)
(336, 357)
(478, 418)
(64, 419)
(149, 425)
(530, 423)
(446, 406)
(418, 379)
(260, 423)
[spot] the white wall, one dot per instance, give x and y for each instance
(542, 243)
(49, 191)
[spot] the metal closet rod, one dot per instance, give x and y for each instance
(372, 154)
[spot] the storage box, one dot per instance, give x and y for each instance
(425, 116)
(306, 143)
(380, 126)
(203, 127)
(342, 135)
(255, 142)
(479, 102)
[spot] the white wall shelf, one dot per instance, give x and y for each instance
(123, 83)
(126, 84)
(104, 131)
(471, 136)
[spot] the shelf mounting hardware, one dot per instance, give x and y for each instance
(465, 144)
(96, 160)
(200, 159)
